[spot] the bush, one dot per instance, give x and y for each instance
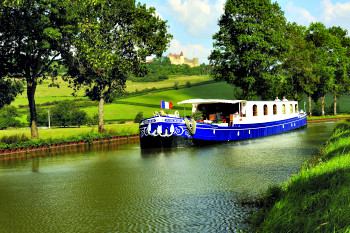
(79, 117)
(188, 84)
(8, 116)
(41, 117)
(138, 117)
(176, 86)
(93, 120)
(66, 113)
(16, 138)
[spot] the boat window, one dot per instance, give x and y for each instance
(255, 110)
(291, 108)
(283, 109)
(265, 110)
(296, 108)
(274, 109)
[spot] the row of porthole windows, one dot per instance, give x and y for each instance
(255, 109)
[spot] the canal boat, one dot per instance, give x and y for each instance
(214, 120)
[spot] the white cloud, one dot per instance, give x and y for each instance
(197, 16)
(337, 14)
(299, 15)
(190, 51)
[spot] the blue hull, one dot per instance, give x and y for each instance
(164, 131)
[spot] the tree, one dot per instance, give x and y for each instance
(115, 38)
(8, 116)
(325, 47)
(298, 66)
(61, 114)
(339, 84)
(42, 117)
(138, 117)
(9, 90)
(79, 117)
(33, 35)
(249, 47)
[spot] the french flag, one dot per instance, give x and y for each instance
(166, 105)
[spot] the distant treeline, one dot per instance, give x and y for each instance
(161, 68)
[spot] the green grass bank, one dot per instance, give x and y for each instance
(317, 199)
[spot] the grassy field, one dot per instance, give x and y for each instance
(317, 198)
(122, 111)
(44, 93)
(181, 80)
(121, 129)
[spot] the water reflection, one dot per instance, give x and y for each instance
(129, 190)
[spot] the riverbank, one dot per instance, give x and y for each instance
(17, 140)
(317, 198)
(327, 118)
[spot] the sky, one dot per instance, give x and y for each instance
(193, 22)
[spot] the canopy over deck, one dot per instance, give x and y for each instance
(209, 101)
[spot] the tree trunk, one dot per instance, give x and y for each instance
(335, 105)
(101, 128)
(31, 88)
(310, 109)
(322, 105)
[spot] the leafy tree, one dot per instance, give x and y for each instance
(249, 47)
(9, 89)
(115, 36)
(326, 55)
(8, 116)
(93, 120)
(298, 65)
(79, 117)
(33, 35)
(61, 114)
(339, 84)
(138, 117)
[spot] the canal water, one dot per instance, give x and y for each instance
(129, 190)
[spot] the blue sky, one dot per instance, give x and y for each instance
(193, 22)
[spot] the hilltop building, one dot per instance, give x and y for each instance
(180, 59)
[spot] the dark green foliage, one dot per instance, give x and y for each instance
(33, 36)
(42, 117)
(8, 116)
(188, 84)
(138, 117)
(249, 47)
(14, 139)
(67, 114)
(9, 90)
(160, 68)
(114, 38)
(93, 120)
(317, 110)
(176, 86)
(79, 117)
(61, 114)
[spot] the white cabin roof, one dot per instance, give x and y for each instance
(209, 101)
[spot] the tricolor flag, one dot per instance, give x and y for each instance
(166, 105)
